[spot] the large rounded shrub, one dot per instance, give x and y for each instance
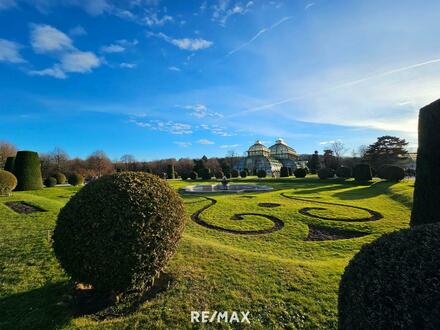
(326, 173)
(300, 173)
(394, 282)
(60, 177)
(10, 164)
(76, 179)
(343, 172)
(391, 173)
(27, 169)
(235, 174)
(8, 182)
(284, 172)
(243, 174)
(261, 173)
(50, 182)
(118, 232)
(219, 175)
(362, 172)
(205, 174)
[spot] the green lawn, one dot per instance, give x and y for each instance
(284, 280)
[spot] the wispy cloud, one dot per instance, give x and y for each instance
(112, 48)
(174, 68)
(125, 65)
(224, 9)
(47, 39)
(216, 130)
(77, 31)
(164, 126)
(184, 43)
(201, 111)
(229, 146)
(205, 141)
(309, 5)
(259, 34)
(183, 144)
(10, 52)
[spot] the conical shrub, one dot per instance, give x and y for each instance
(28, 171)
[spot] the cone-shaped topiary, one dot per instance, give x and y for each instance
(284, 172)
(10, 164)
(393, 283)
(343, 172)
(118, 232)
(76, 179)
(362, 172)
(27, 169)
(60, 177)
(8, 182)
(50, 182)
(427, 184)
(243, 174)
(170, 172)
(300, 173)
(326, 173)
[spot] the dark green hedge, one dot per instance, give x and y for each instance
(362, 172)
(60, 177)
(10, 164)
(118, 232)
(27, 169)
(219, 175)
(284, 172)
(261, 173)
(391, 173)
(343, 172)
(76, 179)
(193, 175)
(394, 282)
(427, 184)
(205, 174)
(300, 173)
(235, 174)
(8, 182)
(171, 174)
(326, 173)
(243, 174)
(50, 182)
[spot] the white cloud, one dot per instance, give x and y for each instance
(323, 143)
(174, 68)
(309, 5)
(10, 52)
(165, 126)
(127, 65)
(80, 62)
(127, 43)
(205, 141)
(47, 39)
(112, 48)
(201, 111)
(229, 146)
(77, 31)
(152, 19)
(224, 9)
(183, 144)
(54, 72)
(184, 43)
(216, 130)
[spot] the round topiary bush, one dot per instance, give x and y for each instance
(394, 282)
(60, 177)
(27, 170)
(219, 175)
(235, 174)
(362, 172)
(300, 173)
(193, 175)
(76, 179)
(205, 174)
(343, 172)
(284, 172)
(10, 164)
(8, 182)
(243, 174)
(261, 173)
(118, 232)
(184, 176)
(391, 173)
(50, 182)
(326, 173)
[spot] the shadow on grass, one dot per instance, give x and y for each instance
(43, 308)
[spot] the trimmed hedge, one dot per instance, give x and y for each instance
(243, 174)
(393, 283)
(391, 173)
(326, 173)
(50, 182)
(193, 175)
(8, 182)
(300, 173)
(10, 164)
(76, 179)
(427, 184)
(284, 172)
(362, 172)
(261, 173)
(184, 176)
(118, 232)
(27, 169)
(235, 174)
(60, 177)
(343, 172)
(205, 174)
(171, 174)
(219, 175)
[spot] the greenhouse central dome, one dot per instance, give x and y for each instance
(270, 160)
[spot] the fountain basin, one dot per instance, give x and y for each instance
(220, 188)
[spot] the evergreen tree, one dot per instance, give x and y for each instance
(314, 164)
(386, 150)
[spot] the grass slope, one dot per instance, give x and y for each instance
(283, 280)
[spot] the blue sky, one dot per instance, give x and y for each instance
(161, 79)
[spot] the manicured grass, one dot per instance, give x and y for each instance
(283, 280)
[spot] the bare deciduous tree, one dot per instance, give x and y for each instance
(6, 150)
